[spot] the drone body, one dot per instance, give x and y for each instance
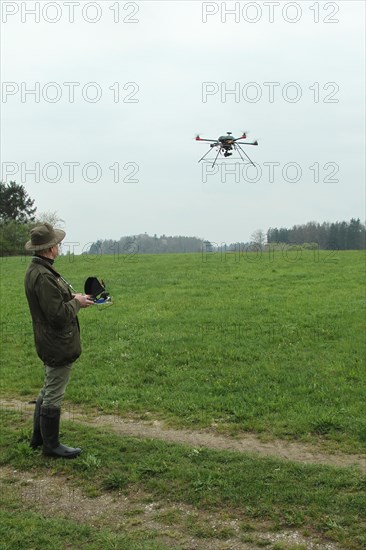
(226, 144)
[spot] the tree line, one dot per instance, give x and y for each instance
(17, 212)
(18, 216)
(147, 244)
(338, 235)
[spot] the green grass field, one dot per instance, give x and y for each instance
(271, 344)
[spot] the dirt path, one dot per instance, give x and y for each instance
(144, 517)
(156, 429)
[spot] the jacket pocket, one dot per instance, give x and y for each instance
(59, 347)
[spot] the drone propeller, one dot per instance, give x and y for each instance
(198, 138)
(243, 136)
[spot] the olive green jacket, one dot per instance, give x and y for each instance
(54, 314)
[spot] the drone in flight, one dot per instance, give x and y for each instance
(226, 144)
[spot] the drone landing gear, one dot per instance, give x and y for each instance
(208, 153)
(227, 153)
(214, 162)
(237, 146)
(205, 154)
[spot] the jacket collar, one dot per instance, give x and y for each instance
(49, 260)
(45, 262)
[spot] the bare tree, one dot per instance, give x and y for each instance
(50, 217)
(259, 237)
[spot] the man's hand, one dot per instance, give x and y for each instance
(84, 300)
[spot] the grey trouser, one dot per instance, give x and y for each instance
(55, 382)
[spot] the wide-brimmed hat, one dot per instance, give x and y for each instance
(44, 236)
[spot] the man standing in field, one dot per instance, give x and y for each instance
(56, 330)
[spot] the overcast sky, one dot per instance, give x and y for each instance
(120, 89)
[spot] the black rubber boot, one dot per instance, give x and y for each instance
(50, 428)
(37, 439)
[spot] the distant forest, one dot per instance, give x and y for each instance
(338, 235)
(18, 216)
(146, 244)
